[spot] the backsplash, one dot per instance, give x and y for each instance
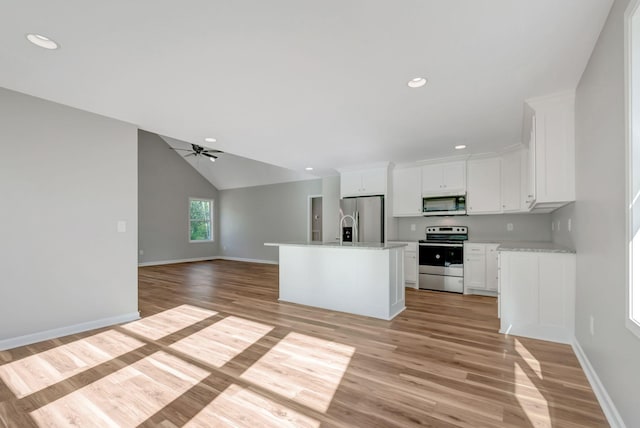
(526, 227)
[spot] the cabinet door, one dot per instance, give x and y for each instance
(410, 267)
(511, 181)
(519, 278)
(483, 188)
(474, 272)
(454, 177)
(531, 195)
(374, 181)
(351, 183)
(554, 153)
(407, 196)
(491, 255)
(432, 180)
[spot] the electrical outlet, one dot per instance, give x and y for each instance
(224, 248)
(558, 226)
(591, 325)
(121, 226)
(413, 227)
(141, 252)
(510, 227)
(553, 226)
(569, 225)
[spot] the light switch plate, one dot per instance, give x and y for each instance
(510, 227)
(569, 225)
(122, 226)
(413, 227)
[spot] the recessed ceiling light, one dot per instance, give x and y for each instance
(309, 168)
(210, 140)
(417, 82)
(460, 147)
(42, 41)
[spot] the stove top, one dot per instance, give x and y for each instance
(446, 234)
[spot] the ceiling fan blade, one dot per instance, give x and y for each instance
(212, 151)
(210, 155)
(190, 154)
(174, 148)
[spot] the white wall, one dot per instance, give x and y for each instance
(165, 183)
(66, 178)
(251, 216)
(598, 218)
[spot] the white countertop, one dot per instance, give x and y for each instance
(537, 247)
(354, 245)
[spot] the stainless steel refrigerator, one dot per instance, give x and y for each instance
(369, 214)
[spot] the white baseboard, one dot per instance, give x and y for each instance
(242, 259)
(202, 259)
(609, 409)
(28, 339)
(170, 262)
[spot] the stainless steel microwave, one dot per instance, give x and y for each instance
(444, 205)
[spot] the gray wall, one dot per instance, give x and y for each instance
(251, 216)
(561, 219)
(166, 182)
(526, 227)
(330, 208)
(66, 178)
(599, 220)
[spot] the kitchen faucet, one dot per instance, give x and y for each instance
(354, 236)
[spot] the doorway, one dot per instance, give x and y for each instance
(314, 222)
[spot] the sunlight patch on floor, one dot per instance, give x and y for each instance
(127, 397)
(531, 361)
(238, 406)
(38, 371)
(222, 341)
(165, 323)
(305, 369)
(531, 400)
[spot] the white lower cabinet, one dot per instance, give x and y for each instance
(480, 268)
(410, 263)
(537, 292)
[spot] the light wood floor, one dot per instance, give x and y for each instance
(215, 348)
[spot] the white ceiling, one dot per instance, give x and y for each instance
(230, 171)
(305, 83)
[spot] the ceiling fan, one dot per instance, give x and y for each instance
(197, 150)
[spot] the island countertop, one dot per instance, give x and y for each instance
(351, 245)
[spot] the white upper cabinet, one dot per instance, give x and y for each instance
(483, 186)
(407, 192)
(549, 129)
(512, 180)
(363, 182)
(444, 179)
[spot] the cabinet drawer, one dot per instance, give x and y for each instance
(474, 249)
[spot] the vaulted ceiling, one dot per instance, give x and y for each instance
(305, 83)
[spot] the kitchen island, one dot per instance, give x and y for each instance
(360, 278)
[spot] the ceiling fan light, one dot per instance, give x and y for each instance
(212, 159)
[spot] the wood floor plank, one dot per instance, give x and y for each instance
(216, 348)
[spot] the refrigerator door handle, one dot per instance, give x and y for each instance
(356, 225)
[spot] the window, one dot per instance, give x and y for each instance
(200, 220)
(632, 82)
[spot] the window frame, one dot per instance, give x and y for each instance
(211, 221)
(632, 104)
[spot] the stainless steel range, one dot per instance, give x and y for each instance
(441, 258)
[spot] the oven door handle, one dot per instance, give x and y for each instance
(440, 245)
